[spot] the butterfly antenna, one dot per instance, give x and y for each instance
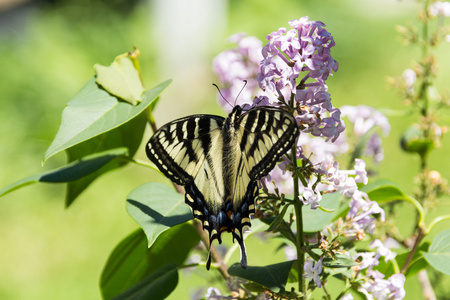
(245, 83)
(222, 95)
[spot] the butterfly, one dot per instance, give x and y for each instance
(219, 161)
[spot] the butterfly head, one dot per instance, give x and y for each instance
(235, 113)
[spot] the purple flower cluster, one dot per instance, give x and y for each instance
(304, 50)
(371, 259)
(365, 121)
(235, 65)
(379, 288)
(375, 286)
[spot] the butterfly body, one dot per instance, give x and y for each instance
(219, 161)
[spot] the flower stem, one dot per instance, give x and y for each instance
(299, 221)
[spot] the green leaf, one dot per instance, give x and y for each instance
(156, 208)
(438, 255)
(280, 218)
(340, 261)
(122, 268)
(384, 190)
(131, 261)
(73, 171)
(128, 135)
(94, 111)
(121, 78)
(156, 286)
(316, 220)
(273, 277)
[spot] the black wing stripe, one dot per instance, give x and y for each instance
(168, 146)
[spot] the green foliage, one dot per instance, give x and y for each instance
(75, 170)
(93, 111)
(133, 262)
(316, 220)
(273, 276)
(439, 252)
(155, 286)
(156, 208)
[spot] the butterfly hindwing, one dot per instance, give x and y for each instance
(219, 161)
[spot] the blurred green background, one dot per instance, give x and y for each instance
(47, 50)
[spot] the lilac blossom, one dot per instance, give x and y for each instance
(323, 151)
(368, 260)
(312, 272)
(371, 259)
(376, 287)
(439, 8)
(303, 50)
(213, 294)
(347, 297)
(382, 250)
(396, 287)
(360, 215)
(290, 252)
(235, 65)
(310, 197)
(365, 119)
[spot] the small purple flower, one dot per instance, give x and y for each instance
(369, 260)
(361, 174)
(396, 287)
(382, 250)
(213, 294)
(310, 197)
(312, 272)
(290, 252)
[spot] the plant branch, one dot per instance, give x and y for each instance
(299, 221)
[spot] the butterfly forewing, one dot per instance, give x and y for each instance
(179, 148)
(266, 134)
(219, 162)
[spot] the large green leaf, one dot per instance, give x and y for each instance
(384, 191)
(156, 286)
(128, 135)
(438, 255)
(273, 277)
(73, 171)
(94, 111)
(156, 208)
(316, 220)
(131, 261)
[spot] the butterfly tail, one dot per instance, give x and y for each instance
(208, 262)
(237, 235)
